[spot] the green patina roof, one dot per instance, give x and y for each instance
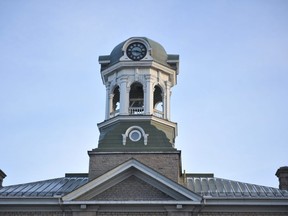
(161, 137)
(157, 52)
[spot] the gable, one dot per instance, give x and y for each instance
(132, 188)
(131, 181)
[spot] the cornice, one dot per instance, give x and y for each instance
(128, 64)
(136, 118)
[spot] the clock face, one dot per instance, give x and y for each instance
(136, 51)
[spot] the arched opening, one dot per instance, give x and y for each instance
(136, 99)
(115, 102)
(158, 102)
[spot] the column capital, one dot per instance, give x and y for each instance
(168, 83)
(107, 85)
(123, 79)
(148, 76)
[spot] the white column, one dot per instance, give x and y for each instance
(111, 96)
(124, 96)
(107, 108)
(148, 96)
(164, 104)
(167, 100)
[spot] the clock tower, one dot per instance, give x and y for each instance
(138, 76)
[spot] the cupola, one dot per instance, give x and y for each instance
(138, 76)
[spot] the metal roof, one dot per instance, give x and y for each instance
(157, 51)
(204, 186)
(218, 187)
(46, 188)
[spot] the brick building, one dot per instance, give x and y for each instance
(136, 168)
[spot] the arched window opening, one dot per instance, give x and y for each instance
(159, 106)
(158, 102)
(136, 99)
(115, 102)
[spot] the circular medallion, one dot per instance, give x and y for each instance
(136, 51)
(135, 135)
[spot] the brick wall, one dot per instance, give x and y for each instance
(132, 188)
(131, 214)
(175, 213)
(34, 213)
(167, 164)
(242, 214)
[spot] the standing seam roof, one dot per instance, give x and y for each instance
(47, 188)
(218, 187)
(204, 186)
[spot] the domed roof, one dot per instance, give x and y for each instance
(158, 53)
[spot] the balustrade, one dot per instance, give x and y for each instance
(136, 110)
(158, 113)
(114, 113)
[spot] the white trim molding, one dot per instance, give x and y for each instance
(145, 136)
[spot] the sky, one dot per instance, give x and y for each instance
(230, 101)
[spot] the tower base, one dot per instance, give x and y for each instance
(166, 163)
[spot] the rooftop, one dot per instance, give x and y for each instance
(155, 49)
(218, 187)
(46, 188)
(206, 185)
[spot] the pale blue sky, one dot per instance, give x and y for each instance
(231, 101)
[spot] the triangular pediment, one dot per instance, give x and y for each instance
(132, 188)
(134, 182)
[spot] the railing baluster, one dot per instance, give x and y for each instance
(158, 113)
(138, 111)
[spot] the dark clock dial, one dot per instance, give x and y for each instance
(136, 51)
